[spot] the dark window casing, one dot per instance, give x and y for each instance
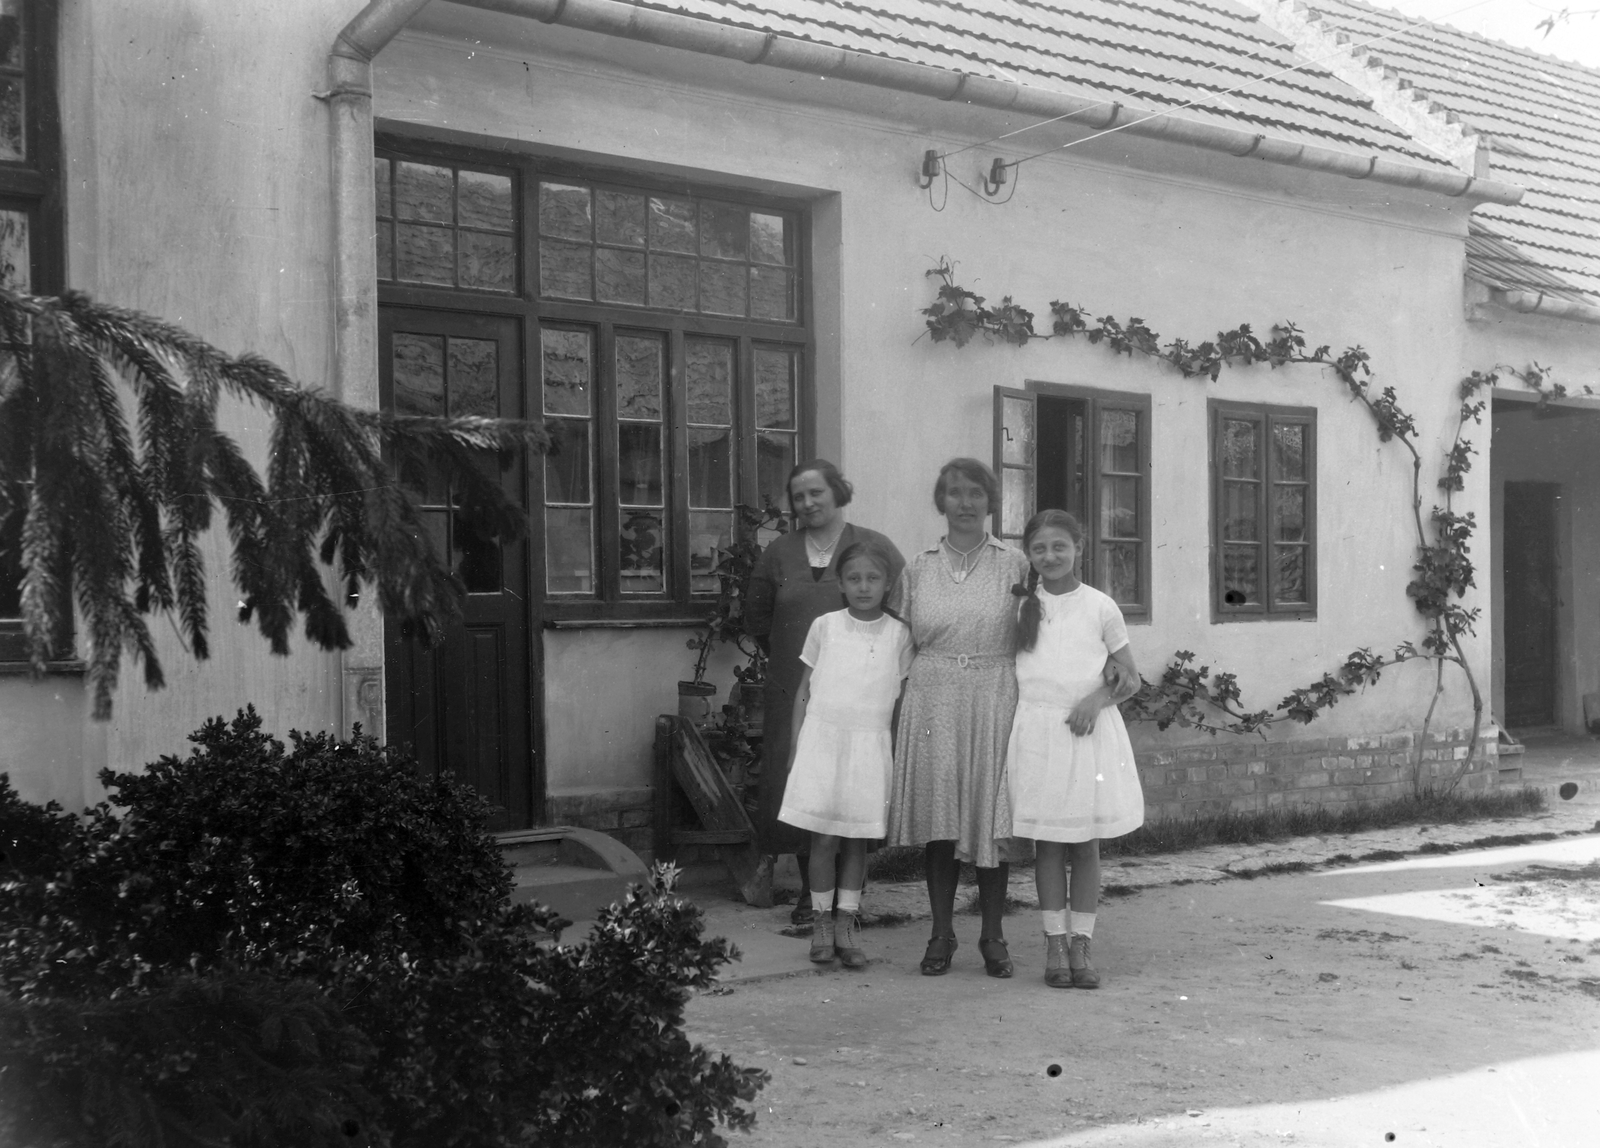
(1087, 451)
(32, 230)
(1263, 511)
(667, 406)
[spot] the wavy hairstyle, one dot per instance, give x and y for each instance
(842, 490)
(1032, 610)
(974, 472)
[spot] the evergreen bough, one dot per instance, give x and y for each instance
(112, 515)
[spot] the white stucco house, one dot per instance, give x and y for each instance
(692, 237)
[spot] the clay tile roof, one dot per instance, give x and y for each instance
(1541, 117)
(1156, 54)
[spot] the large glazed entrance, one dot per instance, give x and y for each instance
(463, 706)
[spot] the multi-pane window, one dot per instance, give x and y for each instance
(1086, 452)
(445, 224)
(454, 375)
(676, 253)
(30, 225)
(666, 355)
(1263, 460)
(569, 417)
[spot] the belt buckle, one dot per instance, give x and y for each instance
(963, 661)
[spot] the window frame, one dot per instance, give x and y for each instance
(1095, 400)
(1268, 416)
(33, 186)
(605, 604)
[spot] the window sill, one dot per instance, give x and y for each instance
(1218, 618)
(624, 623)
(68, 667)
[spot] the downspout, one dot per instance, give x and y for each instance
(349, 98)
(355, 291)
(691, 34)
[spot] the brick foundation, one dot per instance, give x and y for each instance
(621, 813)
(1235, 774)
(1247, 774)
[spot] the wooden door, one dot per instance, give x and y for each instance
(1529, 580)
(465, 707)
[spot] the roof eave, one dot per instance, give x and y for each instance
(769, 49)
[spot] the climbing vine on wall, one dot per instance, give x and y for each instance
(1193, 696)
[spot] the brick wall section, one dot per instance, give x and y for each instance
(621, 813)
(1247, 774)
(1229, 774)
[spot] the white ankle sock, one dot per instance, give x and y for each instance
(1083, 923)
(849, 900)
(1055, 921)
(822, 901)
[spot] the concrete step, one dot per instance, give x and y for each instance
(574, 891)
(576, 872)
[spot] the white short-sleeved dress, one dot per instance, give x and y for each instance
(1065, 787)
(839, 783)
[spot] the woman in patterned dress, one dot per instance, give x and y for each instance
(949, 791)
(795, 582)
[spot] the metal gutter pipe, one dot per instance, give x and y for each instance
(349, 98)
(671, 30)
(1538, 303)
(355, 286)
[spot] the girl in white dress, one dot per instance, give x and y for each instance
(842, 754)
(1069, 762)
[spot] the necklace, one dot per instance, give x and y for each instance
(822, 555)
(871, 630)
(966, 568)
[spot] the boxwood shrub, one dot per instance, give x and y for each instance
(260, 944)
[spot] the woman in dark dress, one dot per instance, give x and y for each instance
(796, 580)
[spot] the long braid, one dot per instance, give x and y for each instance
(1031, 612)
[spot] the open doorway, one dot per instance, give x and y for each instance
(1528, 573)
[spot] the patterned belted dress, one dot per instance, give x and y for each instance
(949, 764)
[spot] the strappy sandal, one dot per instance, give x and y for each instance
(996, 966)
(936, 961)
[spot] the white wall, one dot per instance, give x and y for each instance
(196, 177)
(1188, 252)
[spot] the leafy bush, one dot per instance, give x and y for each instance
(254, 923)
(242, 851)
(221, 1057)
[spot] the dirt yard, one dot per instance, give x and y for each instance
(1230, 1011)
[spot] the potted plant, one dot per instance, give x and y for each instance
(725, 623)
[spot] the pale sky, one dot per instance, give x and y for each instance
(1517, 22)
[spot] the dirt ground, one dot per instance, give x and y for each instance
(1444, 1000)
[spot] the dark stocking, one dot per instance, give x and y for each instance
(939, 857)
(992, 900)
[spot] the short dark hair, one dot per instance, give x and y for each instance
(973, 471)
(842, 490)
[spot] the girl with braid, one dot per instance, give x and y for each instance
(1069, 763)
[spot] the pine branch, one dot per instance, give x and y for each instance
(113, 517)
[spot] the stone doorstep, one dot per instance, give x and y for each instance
(574, 871)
